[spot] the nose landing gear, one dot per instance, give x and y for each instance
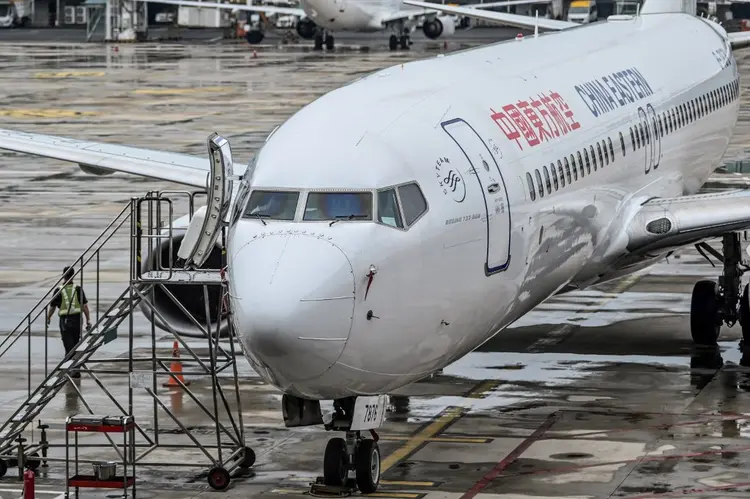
(353, 453)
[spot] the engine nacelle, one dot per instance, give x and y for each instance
(306, 29)
(190, 296)
(439, 27)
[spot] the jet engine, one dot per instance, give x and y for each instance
(306, 29)
(190, 297)
(254, 36)
(439, 27)
(254, 29)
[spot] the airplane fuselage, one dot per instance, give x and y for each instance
(348, 15)
(372, 307)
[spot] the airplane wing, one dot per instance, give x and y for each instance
(266, 9)
(102, 158)
(515, 20)
(664, 223)
(739, 39)
(408, 14)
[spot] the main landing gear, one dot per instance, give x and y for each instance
(355, 453)
(403, 41)
(714, 304)
(322, 37)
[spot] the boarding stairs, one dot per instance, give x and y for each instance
(142, 219)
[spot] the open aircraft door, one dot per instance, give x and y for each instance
(482, 165)
(206, 224)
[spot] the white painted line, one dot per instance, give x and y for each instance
(37, 491)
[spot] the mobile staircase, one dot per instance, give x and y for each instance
(141, 219)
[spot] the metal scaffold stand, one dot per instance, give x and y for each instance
(143, 370)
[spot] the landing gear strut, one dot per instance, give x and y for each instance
(322, 37)
(353, 453)
(403, 41)
(714, 304)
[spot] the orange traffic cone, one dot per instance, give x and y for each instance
(176, 368)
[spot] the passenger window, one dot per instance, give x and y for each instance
(632, 138)
(601, 157)
(562, 175)
(588, 163)
(273, 205)
(622, 144)
(611, 149)
(643, 135)
(530, 181)
(568, 169)
(412, 202)
(388, 212)
(593, 156)
(547, 180)
(338, 206)
(540, 186)
(573, 164)
(606, 153)
(648, 132)
(661, 128)
(554, 175)
(580, 162)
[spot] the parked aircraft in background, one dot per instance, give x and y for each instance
(395, 224)
(319, 19)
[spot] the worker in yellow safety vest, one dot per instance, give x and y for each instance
(71, 300)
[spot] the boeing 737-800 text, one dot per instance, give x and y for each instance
(397, 223)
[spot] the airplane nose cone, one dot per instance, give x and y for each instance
(293, 300)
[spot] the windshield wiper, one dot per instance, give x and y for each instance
(348, 217)
(260, 217)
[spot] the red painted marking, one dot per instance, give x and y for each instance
(508, 460)
(537, 120)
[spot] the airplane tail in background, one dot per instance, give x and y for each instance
(669, 6)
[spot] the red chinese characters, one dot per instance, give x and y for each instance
(536, 120)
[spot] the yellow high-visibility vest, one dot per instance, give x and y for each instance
(69, 304)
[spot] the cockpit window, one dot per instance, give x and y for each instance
(412, 202)
(388, 212)
(274, 205)
(338, 206)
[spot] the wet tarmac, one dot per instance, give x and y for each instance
(595, 394)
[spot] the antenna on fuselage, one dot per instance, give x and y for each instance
(536, 23)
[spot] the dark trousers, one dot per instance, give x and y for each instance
(70, 331)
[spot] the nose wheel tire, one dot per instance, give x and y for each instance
(335, 463)
(705, 322)
(218, 478)
(367, 459)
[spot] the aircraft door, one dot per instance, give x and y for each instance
(482, 165)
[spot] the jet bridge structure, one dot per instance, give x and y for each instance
(132, 383)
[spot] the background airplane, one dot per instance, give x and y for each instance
(319, 19)
(397, 223)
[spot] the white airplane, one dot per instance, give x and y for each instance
(319, 19)
(395, 224)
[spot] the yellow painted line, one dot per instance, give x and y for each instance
(431, 430)
(482, 390)
(454, 440)
(69, 74)
(179, 91)
(403, 483)
(397, 495)
(420, 438)
(45, 113)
